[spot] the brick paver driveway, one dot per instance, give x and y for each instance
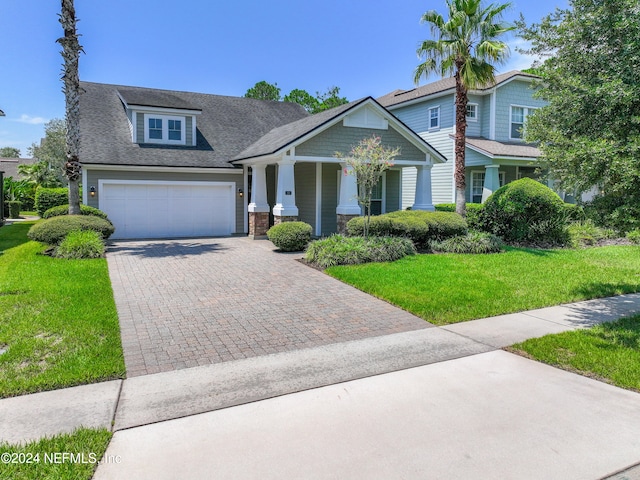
(184, 303)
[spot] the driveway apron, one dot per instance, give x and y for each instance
(185, 303)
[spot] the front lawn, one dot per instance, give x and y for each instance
(58, 320)
(50, 458)
(452, 288)
(609, 352)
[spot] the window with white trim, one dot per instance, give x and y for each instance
(477, 184)
(518, 118)
(164, 129)
(434, 117)
(472, 112)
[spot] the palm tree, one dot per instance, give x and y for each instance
(71, 53)
(465, 46)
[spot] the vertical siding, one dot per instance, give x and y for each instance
(513, 93)
(188, 125)
(393, 191)
(329, 197)
(140, 127)
(305, 181)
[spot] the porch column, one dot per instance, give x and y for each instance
(258, 208)
(491, 181)
(423, 199)
(285, 209)
(348, 207)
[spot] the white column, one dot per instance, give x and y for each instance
(348, 193)
(491, 181)
(258, 189)
(423, 200)
(286, 192)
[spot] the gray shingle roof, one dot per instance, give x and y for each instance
(504, 149)
(226, 126)
(10, 166)
(282, 136)
(401, 96)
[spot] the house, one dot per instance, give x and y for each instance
(10, 166)
(495, 151)
(167, 164)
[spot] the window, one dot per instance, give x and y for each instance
(472, 112)
(477, 185)
(434, 117)
(518, 117)
(164, 129)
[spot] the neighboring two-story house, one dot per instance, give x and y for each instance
(496, 153)
(165, 163)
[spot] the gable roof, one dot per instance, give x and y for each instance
(286, 136)
(225, 127)
(402, 96)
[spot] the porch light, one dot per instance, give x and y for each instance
(240, 193)
(92, 191)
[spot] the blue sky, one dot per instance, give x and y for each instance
(215, 46)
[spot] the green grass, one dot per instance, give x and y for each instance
(609, 352)
(85, 444)
(451, 288)
(58, 320)
(24, 213)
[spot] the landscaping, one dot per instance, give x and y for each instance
(58, 320)
(450, 288)
(609, 352)
(36, 459)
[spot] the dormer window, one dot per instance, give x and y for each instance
(164, 129)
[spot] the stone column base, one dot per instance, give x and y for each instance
(277, 219)
(342, 222)
(258, 224)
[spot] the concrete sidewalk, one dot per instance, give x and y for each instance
(422, 419)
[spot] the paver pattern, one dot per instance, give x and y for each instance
(185, 303)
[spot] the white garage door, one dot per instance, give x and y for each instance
(157, 209)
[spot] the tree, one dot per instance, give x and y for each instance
(369, 159)
(330, 99)
(39, 174)
(264, 91)
(9, 152)
(466, 46)
(71, 50)
(304, 98)
(589, 133)
(52, 151)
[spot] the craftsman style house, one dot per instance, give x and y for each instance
(495, 152)
(177, 164)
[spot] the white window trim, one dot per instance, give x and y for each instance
(502, 179)
(473, 119)
(525, 114)
(437, 108)
(165, 129)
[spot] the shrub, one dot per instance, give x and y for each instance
(64, 210)
(80, 244)
(418, 225)
(473, 242)
(341, 250)
(47, 198)
(586, 233)
(524, 211)
(574, 213)
(473, 212)
(608, 211)
(634, 236)
(290, 236)
(53, 230)
(14, 208)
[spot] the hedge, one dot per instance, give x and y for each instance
(53, 230)
(47, 198)
(473, 212)
(64, 210)
(14, 208)
(290, 236)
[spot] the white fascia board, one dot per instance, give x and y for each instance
(142, 168)
(516, 77)
(424, 98)
(163, 110)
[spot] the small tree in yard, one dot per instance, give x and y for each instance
(369, 159)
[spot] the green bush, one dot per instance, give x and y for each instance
(14, 208)
(620, 214)
(53, 230)
(574, 213)
(587, 233)
(80, 244)
(64, 210)
(473, 242)
(341, 250)
(634, 236)
(290, 236)
(47, 198)
(525, 211)
(473, 212)
(418, 225)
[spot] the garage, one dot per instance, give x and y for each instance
(165, 209)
